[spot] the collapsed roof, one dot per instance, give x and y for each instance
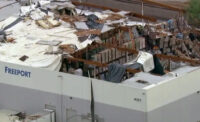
(97, 41)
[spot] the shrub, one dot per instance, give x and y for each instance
(193, 12)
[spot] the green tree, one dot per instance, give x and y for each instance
(193, 12)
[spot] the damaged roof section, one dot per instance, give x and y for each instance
(99, 42)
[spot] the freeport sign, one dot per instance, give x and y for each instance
(18, 72)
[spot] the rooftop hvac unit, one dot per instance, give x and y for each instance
(146, 60)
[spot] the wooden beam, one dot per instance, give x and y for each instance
(94, 63)
(115, 10)
(132, 51)
(173, 58)
(176, 58)
(152, 19)
(163, 5)
(118, 48)
(82, 33)
(80, 52)
(95, 45)
(94, 6)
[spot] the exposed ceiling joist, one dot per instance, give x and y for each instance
(168, 57)
(176, 58)
(94, 63)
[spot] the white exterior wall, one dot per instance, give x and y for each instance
(76, 86)
(169, 91)
(166, 101)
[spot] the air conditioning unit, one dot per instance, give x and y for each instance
(146, 60)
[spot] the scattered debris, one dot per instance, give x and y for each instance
(48, 23)
(69, 48)
(107, 42)
(82, 33)
(115, 73)
(81, 25)
(2, 36)
(92, 22)
(73, 19)
(142, 82)
(23, 58)
(51, 43)
(10, 40)
(21, 115)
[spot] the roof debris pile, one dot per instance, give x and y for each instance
(96, 41)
